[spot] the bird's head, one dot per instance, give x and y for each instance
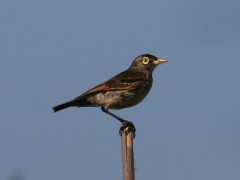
(146, 62)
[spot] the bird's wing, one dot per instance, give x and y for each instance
(122, 81)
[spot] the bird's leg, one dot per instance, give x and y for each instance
(113, 115)
(125, 123)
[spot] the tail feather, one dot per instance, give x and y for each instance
(63, 106)
(76, 102)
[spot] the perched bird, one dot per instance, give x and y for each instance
(124, 90)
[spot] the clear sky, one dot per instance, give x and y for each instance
(188, 128)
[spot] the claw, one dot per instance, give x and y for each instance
(127, 127)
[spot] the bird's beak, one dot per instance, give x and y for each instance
(159, 61)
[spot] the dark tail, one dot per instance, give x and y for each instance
(76, 102)
(64, 106)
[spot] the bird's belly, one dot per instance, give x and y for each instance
(118, 99)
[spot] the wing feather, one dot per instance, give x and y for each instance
(123, 81)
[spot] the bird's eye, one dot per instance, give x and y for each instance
(145, 60)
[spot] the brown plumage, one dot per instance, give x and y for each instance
(121, 91)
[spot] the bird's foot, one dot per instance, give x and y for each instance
(127, 126)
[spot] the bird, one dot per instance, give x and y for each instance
(124, 90)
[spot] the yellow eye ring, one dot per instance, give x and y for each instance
(145, 60)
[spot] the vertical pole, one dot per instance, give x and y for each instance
(127, 154)
(124, 156)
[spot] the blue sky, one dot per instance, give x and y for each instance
(52, 51)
